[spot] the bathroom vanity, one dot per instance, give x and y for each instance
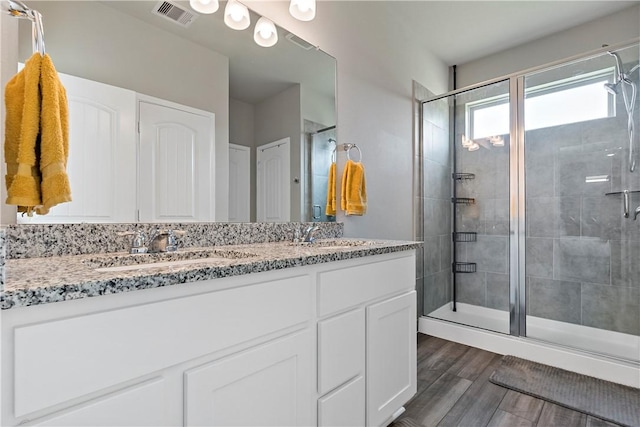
(290, 335)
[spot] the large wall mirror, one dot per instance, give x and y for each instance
(282, 97)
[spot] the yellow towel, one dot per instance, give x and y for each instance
(36, 138)
(331, 191)
(353, 197)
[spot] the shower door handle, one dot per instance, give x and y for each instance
(626, 204)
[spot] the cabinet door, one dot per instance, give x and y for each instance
(102, 155)
(145, 404)
(391, 356)
(344, 406)
(340, 349)
(176, 164)
(269, 385)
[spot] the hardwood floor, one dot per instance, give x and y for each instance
(454, 390)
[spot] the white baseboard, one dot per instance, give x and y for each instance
(622, 372)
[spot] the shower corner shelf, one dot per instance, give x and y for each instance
(464, 267)
(465, 236)
(463, 176)
(463, 201)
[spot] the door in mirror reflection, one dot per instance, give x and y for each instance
(273, 184)
(176, 154)
(239, 183)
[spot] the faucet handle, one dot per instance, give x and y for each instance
(139, 242)
(172, 242)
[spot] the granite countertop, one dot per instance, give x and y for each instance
(34, 281)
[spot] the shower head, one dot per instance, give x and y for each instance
(619, 71)
(612, 88)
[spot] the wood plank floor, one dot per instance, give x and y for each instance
(454, 390)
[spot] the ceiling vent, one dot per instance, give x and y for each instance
(299, 42)
(174, 13)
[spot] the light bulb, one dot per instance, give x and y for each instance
(265, 33)
(204, 6)
(304, 6)
(236, 15)
(304, 10)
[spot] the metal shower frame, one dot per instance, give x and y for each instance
(517, 235)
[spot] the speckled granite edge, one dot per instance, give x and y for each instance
(3, 250)
(87, 283)
(46, 240)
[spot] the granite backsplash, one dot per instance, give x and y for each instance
(46, 240)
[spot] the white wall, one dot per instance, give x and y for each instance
(280, 117)
(374, 105)
(99, 43)
(317, 107)
(615, 28)
(241, 132)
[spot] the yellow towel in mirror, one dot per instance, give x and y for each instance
(36, 138)
(331, 191)
(353, 195)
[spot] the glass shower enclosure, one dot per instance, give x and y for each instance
(530, 196)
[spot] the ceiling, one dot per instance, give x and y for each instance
(255, 73)
(455, 31)
(461, 31)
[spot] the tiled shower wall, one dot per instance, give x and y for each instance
(433, 203)
(583, 257)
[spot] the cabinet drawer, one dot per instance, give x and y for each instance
(343, 407)
(65, 359)
(347, 287)
(340, 349)
(145, 404)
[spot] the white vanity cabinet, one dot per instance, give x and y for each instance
(327, 344)
(366, 339)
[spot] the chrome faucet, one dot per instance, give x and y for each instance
(139, 242)
(636, 213)
(308, 234)
(164, 240)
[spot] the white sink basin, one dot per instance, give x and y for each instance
(335, 244)
(146, 266)
(129, 262)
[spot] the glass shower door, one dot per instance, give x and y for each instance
(466, 207)
(582, 245)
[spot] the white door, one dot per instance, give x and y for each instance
(176, 161)
(273, 186)
(391, 357)
(239, 179)
(102, 155)
(269, 385)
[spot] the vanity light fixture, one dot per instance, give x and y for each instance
(265, 33)
(466, 142)
(204, 6)
(236, 15)
(497, 141)
(303, 10)
(474, 146)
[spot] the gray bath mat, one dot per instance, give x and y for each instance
(602, 399)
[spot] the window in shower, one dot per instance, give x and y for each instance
(561, 101)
